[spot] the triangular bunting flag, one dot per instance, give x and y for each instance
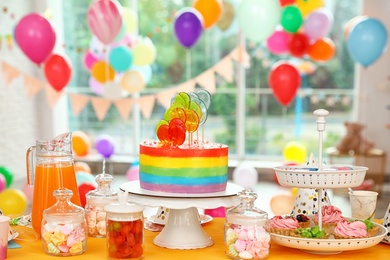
(164, 97)
(124, 107)
(52, 95)
(146, 104)
(78, 102)
(9, 73)
(32, 85)
(187, 86)
(240, 55)
(101, 106)
(225, 68)
(207, 81)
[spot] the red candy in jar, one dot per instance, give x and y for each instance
(125, 231)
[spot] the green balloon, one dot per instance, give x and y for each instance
(258, 18)
(9, 177)
(291, 19)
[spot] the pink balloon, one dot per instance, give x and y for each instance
(277, 43)
(36, 37)
(3, 182)
(95, 86)
(318, 23)
(89, 60)
(29, 191)
(133, 173)
(105, 20)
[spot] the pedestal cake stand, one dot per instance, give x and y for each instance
(183, 229)
(314, 176)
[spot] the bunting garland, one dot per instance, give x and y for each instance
(205, 80)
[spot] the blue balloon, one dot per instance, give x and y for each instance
(120, 58)
(367, 41)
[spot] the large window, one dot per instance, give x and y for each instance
(244, 113)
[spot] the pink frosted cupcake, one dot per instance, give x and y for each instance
(346, 230)
(331, 215)
(283, 225)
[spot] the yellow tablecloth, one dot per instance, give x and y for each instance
(96, 249)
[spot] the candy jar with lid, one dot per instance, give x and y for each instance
(245, 234)
(125, 229)
(95, 202)
(64, 230)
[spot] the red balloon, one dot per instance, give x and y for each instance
(298, 44)
(284, 80)
(286, 2)
(58, 70)
(84, 188)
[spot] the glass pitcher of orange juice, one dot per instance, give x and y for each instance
(50, 167)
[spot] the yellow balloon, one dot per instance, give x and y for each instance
(102, 72)
(308, 6)
(144, 52)
(294, 152)
(130, 19)
(133, 81)
(294, 192)
(13, 202)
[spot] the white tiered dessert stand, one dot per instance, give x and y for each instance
(183, 229)
(305, 177)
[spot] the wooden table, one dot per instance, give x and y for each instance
(96, 249)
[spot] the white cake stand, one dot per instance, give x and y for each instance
(183, 229)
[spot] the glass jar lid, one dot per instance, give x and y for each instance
(103, 189)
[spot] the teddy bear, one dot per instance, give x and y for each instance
(353, 140)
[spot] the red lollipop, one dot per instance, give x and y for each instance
(163, 133)
(177, 132)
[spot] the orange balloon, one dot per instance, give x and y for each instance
(211, 11)
(322, 50)
(102, 71)
(82, 167)
(282, 204)
(80, 143)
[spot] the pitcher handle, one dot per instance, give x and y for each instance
(30, 164)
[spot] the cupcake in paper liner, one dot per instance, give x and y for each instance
(306, 202)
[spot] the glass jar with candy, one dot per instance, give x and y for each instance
(63, 231)
(245, 235)
(125, 229)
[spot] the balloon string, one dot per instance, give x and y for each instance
(188, 64)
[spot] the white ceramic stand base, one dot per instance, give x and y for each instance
(183, 229)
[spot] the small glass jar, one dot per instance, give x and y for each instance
(95, 202)
(245, 235)
(125, 230)
(64, 231)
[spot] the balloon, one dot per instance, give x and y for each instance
(144, 52)
(216, 213)
(95, 86)
(277, 43)
(80, 143)
(8, 175)
(13, 202)
(103, 72)
(318, 23)
(104, 20)
(98, 49)
(282, 204)
(322, 50)
(120, 58)
(367, 41)
(112, 90)
(130, 19)
(145, 70)
(298, 44)
(245, 176)
(83, 189)
(286, 2)
(133, 173)
(105, 146)
(258, 19)
(3, 182)
(210, 10)
(83, 177)
(29, 192)
(284, 80)
(82, 166)
(133, 81)
(294, 152)
(188, 26)
(89, 60)
(291, 19)
(227, 16)
(351, 23)
(58, 71)
(36, 37)
(308, 6)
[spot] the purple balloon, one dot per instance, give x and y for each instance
(105, 146)
(188, 26)
(318, 23)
